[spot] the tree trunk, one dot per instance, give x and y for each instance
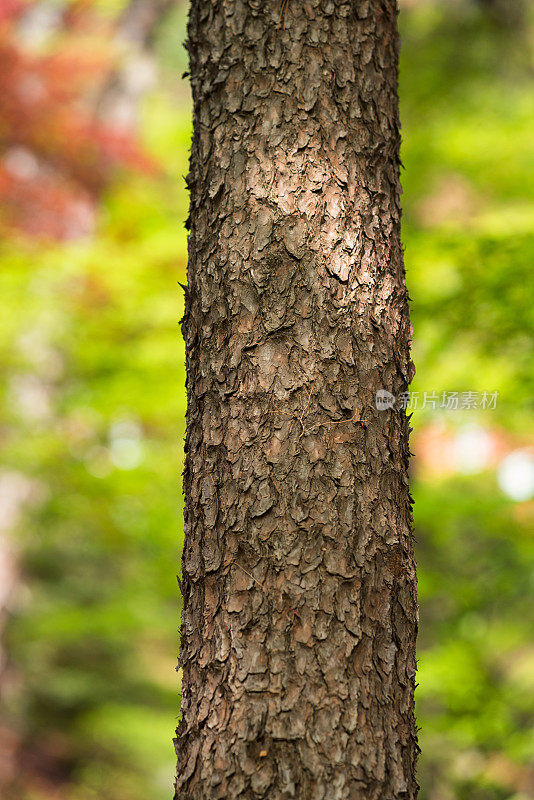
(299, 620)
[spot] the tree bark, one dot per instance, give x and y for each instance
(300, 611)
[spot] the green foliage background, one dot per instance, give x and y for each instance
(93, 410)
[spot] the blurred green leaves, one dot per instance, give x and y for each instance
(94, 415)
(468, 113)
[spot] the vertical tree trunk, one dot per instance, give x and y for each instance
(299, 621)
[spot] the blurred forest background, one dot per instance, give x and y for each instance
(94, 137)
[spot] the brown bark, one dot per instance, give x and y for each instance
(299, 620)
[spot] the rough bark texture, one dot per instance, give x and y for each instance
(299, 620)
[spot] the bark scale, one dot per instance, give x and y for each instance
(300, 612)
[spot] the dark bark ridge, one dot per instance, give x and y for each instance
(300, 611)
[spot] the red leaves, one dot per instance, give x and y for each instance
(10, 10)
(56, 155)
